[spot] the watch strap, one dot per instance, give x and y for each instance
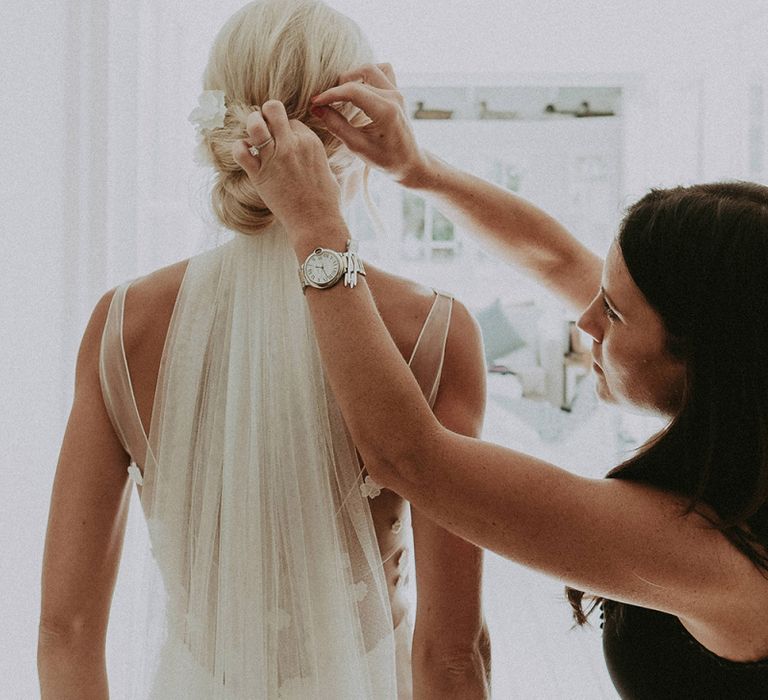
(354, 265)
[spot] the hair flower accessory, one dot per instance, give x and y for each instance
(209, 114)
(369, 488)
(135, 474)
(361, 590)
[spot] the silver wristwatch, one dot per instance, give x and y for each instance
(323, 267)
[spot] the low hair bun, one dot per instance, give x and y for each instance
(237, 206)
(281, 50)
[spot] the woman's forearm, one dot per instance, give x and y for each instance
(519, 231)
(440, 672)
(461, 677)
(353, 338)
(71, 671)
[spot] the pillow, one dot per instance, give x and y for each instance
(499, 336)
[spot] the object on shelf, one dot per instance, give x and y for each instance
(584, 111)
(500, 369)
(485, 113)
(422, 113)
(575, 369)
(506, 174)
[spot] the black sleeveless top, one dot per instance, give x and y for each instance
(651, 656)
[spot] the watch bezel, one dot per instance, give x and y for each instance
(318, 252)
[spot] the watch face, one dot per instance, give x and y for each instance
(322, 268)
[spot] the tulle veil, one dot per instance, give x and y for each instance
(264, 578)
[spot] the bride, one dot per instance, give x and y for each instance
(277, 565)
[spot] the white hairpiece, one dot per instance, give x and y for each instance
(209, 114)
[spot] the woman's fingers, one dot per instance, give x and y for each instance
(276, 120)
(291, 174)
(380, 75)
(388, 141)
(265, 128)
(387, 69)
(370, 99)
(245, 159)
(258, 132)
(372, 89)
(349, 135)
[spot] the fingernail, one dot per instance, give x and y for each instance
(314, 99)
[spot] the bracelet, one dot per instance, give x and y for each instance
(353, 264)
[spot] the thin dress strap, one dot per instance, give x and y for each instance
(116, 387)
(428, 354)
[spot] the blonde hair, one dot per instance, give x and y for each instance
(287, 50)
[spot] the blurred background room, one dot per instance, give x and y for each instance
(579, 106)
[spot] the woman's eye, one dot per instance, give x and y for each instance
(609, 312)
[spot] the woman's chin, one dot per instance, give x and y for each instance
(606, 396)
(601, 389)
(621, 401)
(601, 386)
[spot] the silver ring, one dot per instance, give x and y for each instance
(254, 150)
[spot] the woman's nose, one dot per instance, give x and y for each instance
(589, 322)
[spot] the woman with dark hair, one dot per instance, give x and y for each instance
(674, 545)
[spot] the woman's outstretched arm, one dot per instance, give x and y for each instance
(86, 526)
(515, 228)
(614, 538)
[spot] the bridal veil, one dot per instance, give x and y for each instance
(264, 578)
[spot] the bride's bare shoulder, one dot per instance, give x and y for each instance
(149, 303)
(397, 296)
(404, 305)
(161, 282)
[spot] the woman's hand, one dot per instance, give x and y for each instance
(291, 171)
(387, 142)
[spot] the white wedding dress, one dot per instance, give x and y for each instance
(264, 578)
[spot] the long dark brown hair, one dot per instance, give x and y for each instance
(699, 255)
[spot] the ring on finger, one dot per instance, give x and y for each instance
(254, 150)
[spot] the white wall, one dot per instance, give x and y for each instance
(31, 317)
(545, 35)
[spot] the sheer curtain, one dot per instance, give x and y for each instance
(98, 186)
